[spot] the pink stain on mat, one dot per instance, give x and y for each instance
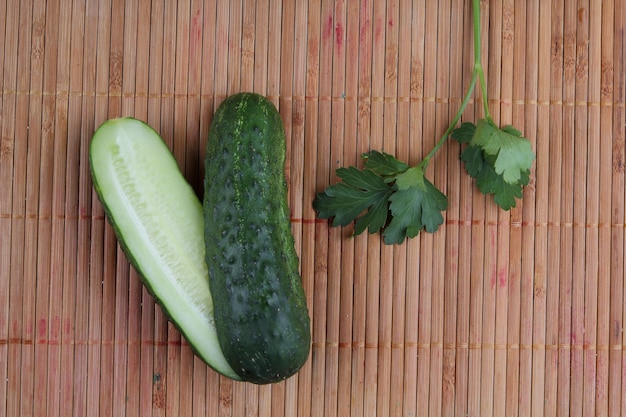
(328, 27)
(42, 330)
(502, 275)
(339, 35)
(55, 328)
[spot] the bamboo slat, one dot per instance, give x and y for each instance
(496, 314)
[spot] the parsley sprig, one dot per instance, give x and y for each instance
(389, 195)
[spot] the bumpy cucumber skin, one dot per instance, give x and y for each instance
(260, 308)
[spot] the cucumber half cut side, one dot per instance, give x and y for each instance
(159, 223)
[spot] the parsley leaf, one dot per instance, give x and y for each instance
(360, 190)
(383, 164)
(513, 152)
(499, 160)
(390, 194)
(464, 133)
(474, 160)
(504, 193)
(417, 204)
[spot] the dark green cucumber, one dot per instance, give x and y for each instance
(158, 222)
(260, 310)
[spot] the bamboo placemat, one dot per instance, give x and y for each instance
(496, 314)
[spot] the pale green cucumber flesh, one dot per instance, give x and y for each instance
(159, 223)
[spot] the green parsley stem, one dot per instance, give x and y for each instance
(455, 120)
(478, 68)
(477, 74)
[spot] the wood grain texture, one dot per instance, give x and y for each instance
(496, 314)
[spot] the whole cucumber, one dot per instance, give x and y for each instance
(260, 309)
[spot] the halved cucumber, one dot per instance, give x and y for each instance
(159, 223)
